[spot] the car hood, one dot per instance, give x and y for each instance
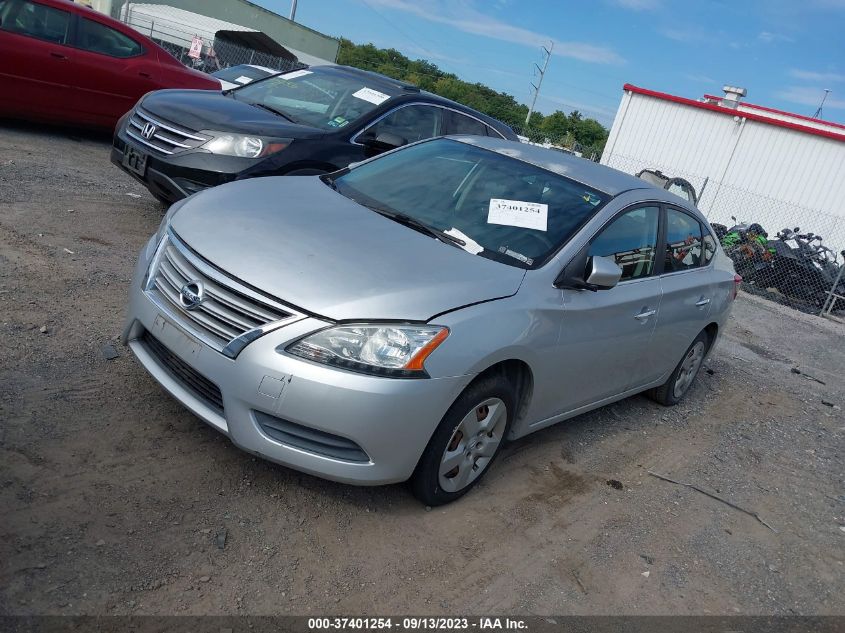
(211, 110)
(297, 239)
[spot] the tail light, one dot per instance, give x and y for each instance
(737, 281)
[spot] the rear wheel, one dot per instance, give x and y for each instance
(670, 392)
(465, 442)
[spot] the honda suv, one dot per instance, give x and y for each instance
(305, 122)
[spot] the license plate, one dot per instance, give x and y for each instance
(174, 339)
(134, 160)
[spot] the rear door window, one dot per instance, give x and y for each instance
(683, 242)
(462, 124)
(630, 240)
(412, 123)
(35, 20)
(99, 38)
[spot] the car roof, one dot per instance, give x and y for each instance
(601, 177)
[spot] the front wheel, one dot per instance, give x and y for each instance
(670, 392)
(465, 442)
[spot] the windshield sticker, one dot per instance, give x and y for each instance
(373, 96)
(515, 255)
(296, 73)
(527, 215)
(590, 198)
(243, 80)
(338, 121)
(470, 245)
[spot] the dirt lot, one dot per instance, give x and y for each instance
(114, 497)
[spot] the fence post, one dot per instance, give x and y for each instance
(152, 26)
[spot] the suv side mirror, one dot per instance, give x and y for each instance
(383, 141)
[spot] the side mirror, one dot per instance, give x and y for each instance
(589, 273)
(602, 273)
(383, 142)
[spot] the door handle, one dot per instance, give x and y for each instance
(58, 55)
(702, 302)
(146, 75)
(645, 315)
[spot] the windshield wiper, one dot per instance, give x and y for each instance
(274, 111)
(422, 227)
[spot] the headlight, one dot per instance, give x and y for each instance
(245, 146)
(384, 350)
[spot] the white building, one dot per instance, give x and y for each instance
(756, 163)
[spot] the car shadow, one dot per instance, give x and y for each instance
(50, 130)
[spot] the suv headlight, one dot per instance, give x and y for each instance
(397, 351)
(245, 146)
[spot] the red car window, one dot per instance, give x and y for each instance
(35, 20)
(99, 38)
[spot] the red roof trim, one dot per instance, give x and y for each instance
(731, 112)
(783, 112)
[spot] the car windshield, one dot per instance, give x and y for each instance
(494, 205)
(322, 98)
(243, 74)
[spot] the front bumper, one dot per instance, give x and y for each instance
(180, 175)
(391, 420)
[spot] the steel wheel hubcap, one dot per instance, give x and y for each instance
(472, 445)
(689, 369)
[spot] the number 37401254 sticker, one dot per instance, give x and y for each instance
(527, 215)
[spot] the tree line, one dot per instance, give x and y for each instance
(569, 130)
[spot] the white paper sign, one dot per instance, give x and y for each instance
(470, 245)
(373, 96)
(196, 48)
(243, 80)
(527, 215)
(296, 73)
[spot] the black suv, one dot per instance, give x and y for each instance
(305, 122)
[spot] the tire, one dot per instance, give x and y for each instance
(482, 413)
(670, 392)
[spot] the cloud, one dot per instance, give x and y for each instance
(810, 97)
(684, 34)
(464, 17)
(700, 79)
(809, 75)
(638, 5)
(767, 37)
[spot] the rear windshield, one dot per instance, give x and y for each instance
(501, 208)
(319, 97)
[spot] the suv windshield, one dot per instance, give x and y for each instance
(320, 97)
(496, 206)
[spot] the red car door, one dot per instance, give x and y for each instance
(111, 70)
(34, 59)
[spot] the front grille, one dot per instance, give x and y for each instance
(311, 440)
(166, 138)
(189, 377)
(229, 315)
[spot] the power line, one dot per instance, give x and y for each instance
(818, 114)
(540, 83)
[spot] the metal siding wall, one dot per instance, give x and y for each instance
(784, 176)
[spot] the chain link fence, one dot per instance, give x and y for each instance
(562, 143)
(785, 252)
(214, 53)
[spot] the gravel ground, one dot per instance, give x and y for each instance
(117, 500)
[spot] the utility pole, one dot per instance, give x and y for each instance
(292, 10)
(542, 70)
(818, 113)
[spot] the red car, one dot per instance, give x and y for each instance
(62, 62)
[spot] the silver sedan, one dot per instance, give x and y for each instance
(402, 318)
